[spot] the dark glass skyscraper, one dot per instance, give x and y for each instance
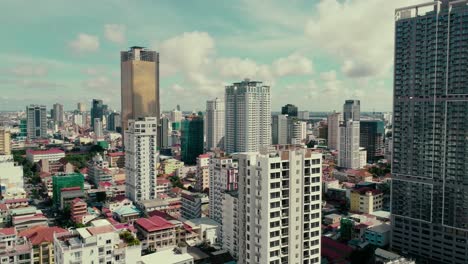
(371, 137)
(192, 138)
(97, 110)
(430, 133)
(289, 109)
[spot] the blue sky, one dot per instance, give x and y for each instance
(314, 54)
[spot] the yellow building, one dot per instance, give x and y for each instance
(139, 84)
(4, 141)
(366, 200)
(42, 239)
(171, 165)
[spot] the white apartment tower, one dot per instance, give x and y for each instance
(333, 121)
(223, 178)
(248, 116)
(280, 129)
(141, 158)
(279, 205)
(349, 136)
(215, 115)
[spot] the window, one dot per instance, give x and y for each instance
(108, 241)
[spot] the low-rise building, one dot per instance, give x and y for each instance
(116, 159)
(170, 256)
(126, 214)
(192, 204)
(366, 200)
(51, 155)
(208, 230)
(97, 244)
(170, 166)
(378, 235)
(331, 219)
(78, 209)
(170, 206)
(14, 249)
(42, 240)
(156, 233)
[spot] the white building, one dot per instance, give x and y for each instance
(362, 157)
(191, 204)
(97, 244)
(349, 154)
(303, 115)
(280, 128)
(11, 174)
(50, 154)
(223, 177)
(98, 129)
(279, 206)
(141, 159)
(169, 256)
(230, 234)
(176, 116)
(215, 114)
(248, 116)
(78, 119)
(298, 132)
(333, 121)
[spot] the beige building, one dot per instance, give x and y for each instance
(366, 200)
(42, 238)
(4, 141)
(139, 84)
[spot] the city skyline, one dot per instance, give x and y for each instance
(284, 53)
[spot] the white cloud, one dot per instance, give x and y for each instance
(84, 43)
(294, 64)
(359, 33)
(100, 83)
(29, 70)
(115, 33)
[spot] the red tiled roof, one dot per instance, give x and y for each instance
(70, 189)
(8, 231)
(162, 181)
(116, 154)
(40, 234)
(154, 223)
(96, 230)
(204, 156)
(364, 190)
(3, 206)
(19, 200)
(45, 152)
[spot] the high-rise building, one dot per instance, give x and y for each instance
(215, 123)
(297, 131)
(348, 144)
(5, 148)
(333, 121)
(176, 116)
(98, 131)
(279, 206)
(372, 133)
(97, 111)
(191, 139)
(141, 158)
(230, 219)
(164, 132)
(114, 122)
(81, 107)
(289, 109)
(279, 129)
(139, 84)
(36, 121)
(303, 115)
(429, 169)
(352, 110)
(248, 116)
(223, 177)
(78, 118)
(58, 114)
(203, 172)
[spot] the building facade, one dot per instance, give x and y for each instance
(5, 147)
(248, 116)
(372, 133)
(349, 132)
(280, 206)
(429, 173)
(192, 138)
(203, 172)
(366, 200)
(333, 121)
(58, 115)
(139, 84)
(289, 109)
(36, 121)
(279, 129)
(215, 114)
(141, 159)
(97, 111)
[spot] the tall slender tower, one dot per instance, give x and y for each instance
(139, 84)
(248, 116)
(333, 121)
(348, 146)
(97, 111)
(430, 127)
(36, 121)
(215, 115)
(58, 113)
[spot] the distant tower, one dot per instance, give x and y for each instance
(139, 84)
(349, 133)
(215, 114)
(248, 116)
(36, 121)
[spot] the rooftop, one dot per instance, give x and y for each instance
(45, 152)
(154, 223)
(383, 228)
(40, 234)
(116, 154)
(169, 256)
(8, 231)
(364, 190)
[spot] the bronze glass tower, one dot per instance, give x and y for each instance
(139, 84)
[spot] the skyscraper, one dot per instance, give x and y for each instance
(191, 138)
(348, 145)
(5, 141)
(141, 159)
(58, 114)
(430, 173)
(279, 210)
(164, 132)
(248, 116)
(114, 122)
(372, 134)
(280, 128)
(98, 129)
(139, 84)
(215, 123)
(333, 121)
(36, 121)
(81, 107)
(97, 111)
(289, 109)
